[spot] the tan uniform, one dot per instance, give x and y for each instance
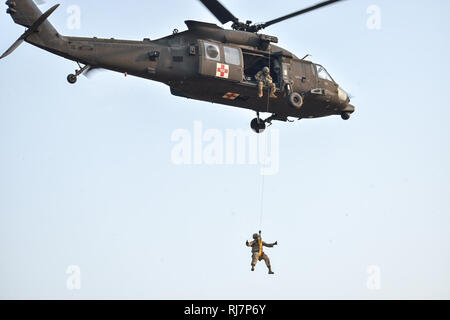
(258, 253)
(265, 80)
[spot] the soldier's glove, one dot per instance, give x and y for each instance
(246, 242)
(276, 243)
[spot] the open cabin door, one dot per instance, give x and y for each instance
(255, 61)
(220, 61)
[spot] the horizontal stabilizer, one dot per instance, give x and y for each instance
(12, 48)
(30, 31)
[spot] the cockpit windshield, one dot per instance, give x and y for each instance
(322, 73)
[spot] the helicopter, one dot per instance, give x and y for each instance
(206, 62)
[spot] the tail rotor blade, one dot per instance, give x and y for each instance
(92, 71)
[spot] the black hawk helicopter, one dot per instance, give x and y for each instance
(206, 63)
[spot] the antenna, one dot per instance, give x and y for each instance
(308, 55)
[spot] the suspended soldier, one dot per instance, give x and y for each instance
(257, 251)
(264, 79)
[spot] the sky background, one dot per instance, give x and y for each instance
(86, 176)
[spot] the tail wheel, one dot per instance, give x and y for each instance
(296, 100)
(71, 78)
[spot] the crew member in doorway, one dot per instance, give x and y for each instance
(264, 79)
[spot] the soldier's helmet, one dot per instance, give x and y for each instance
(266, 70)
(255, 236)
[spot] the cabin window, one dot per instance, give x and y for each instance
(212, 51)
(232, 56)
(323, 74)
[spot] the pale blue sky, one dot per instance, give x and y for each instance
(86, 176)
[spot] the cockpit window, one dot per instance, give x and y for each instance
(322, 73)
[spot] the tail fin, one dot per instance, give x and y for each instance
(27, 14)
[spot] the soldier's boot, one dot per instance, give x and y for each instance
(260, 89)
(253, 267)
(272, 92)
(270, 270)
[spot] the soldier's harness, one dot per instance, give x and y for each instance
(260, 243)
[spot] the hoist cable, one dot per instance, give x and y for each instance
(264, 152)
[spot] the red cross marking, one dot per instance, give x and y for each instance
(222, 70)
(231, 96)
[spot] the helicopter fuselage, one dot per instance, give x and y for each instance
(206, 63)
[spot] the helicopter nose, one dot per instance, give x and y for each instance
(349, 108)
(343, 96)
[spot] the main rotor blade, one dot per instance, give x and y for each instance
(219, 11)
(315, 7)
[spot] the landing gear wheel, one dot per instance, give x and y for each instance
(72, 79)
(258, 125)
(296, 100)
(345, 116)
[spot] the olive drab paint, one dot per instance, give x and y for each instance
(205, 62)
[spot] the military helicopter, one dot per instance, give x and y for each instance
(206, 62)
